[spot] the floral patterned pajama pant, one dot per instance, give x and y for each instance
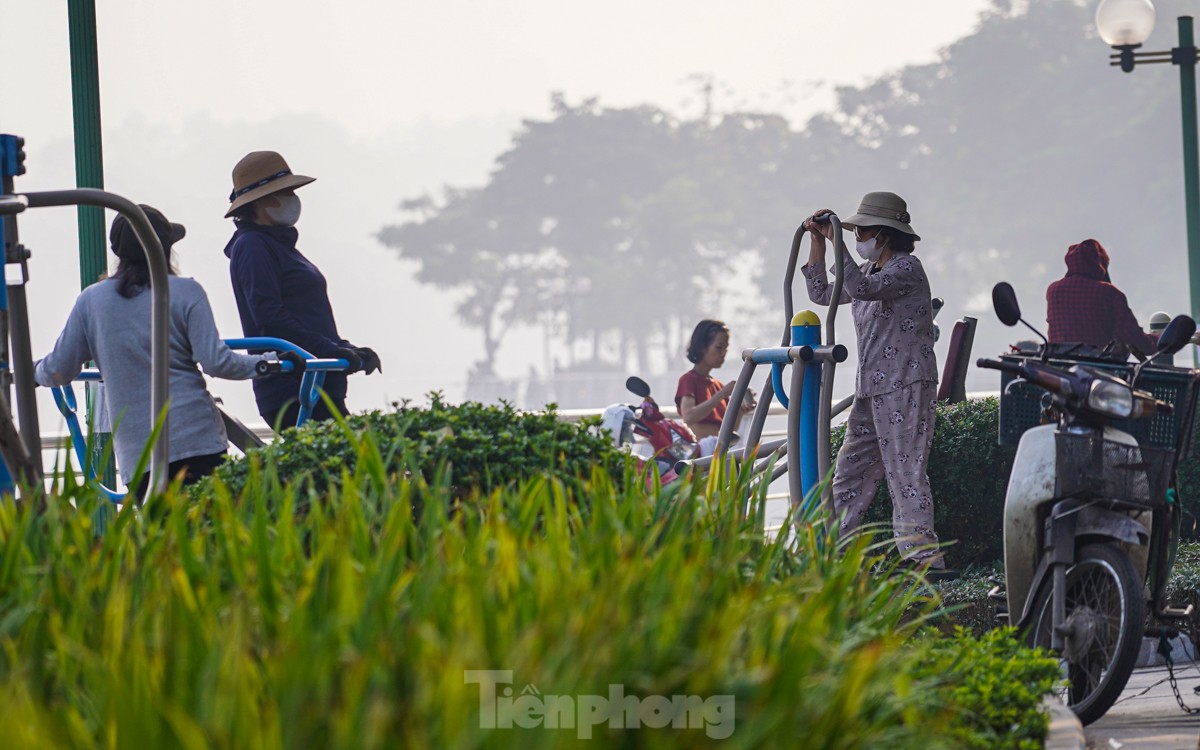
(890, 436)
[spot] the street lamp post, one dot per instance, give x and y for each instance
(1124, 25)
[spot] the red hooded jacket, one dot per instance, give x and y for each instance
(1084, 307)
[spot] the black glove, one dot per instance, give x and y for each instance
(351, 357)
(299, 364)
(370, 360)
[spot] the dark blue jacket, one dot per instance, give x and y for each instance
(280, 293)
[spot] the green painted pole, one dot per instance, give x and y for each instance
(1191, 159)
(89, 166)
(89, 154)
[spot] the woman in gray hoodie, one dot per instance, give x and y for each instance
(110, 324)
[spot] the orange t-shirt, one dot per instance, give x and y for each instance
(701, 388)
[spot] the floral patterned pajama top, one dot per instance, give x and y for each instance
(893, 320)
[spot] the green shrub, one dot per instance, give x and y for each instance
(968, 472)
(482, 447)
(1183, 586)
(992, 681)
(966, 602)
(215, 622)
(1189, 494)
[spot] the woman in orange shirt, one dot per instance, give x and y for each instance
(700, 398)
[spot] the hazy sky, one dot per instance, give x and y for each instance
(385, 100)
(372, 64)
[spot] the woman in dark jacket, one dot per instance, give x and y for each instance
(279, 292)
(1084, 307)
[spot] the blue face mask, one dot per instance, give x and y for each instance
(287, 213)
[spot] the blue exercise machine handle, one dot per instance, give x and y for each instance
(314, 371)
(64, 399)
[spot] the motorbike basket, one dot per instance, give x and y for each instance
(1021, 405)
(1129, 474)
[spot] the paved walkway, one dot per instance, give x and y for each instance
(1146, 716)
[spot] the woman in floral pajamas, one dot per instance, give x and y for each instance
(890, 428)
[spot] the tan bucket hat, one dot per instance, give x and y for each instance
(882, 209)
(259, 174)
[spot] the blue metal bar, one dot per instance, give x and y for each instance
(267, 343)
(770, 355)
(777, 384)
(313, 379)
(795, 455)
(806, 333)
(64, 399)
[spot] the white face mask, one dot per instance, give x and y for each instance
(287, 213)
(869, 249)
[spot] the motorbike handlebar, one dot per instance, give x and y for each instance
(992, 364)
(1050, 378)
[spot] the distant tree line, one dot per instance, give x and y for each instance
(621, 226)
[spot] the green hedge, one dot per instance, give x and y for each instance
(478, 447)
(991, 680)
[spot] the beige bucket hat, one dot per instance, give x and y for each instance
(882, 209)
(259, 174)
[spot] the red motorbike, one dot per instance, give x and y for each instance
(670, 440)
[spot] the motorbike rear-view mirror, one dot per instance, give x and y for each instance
(638, 386)
(1176, 335)
(1004, 300)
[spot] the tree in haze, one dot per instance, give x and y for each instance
(464, 242)
(606, 226)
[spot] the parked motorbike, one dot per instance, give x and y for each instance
(1091, 514)
(670, 440)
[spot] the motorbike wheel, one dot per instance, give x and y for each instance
(1107, 609)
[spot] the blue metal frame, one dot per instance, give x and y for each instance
(314, 373)
(64, 398)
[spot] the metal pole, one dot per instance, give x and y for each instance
(89, 154)
(796, 400)
(17, 446)
(8, 234)
(89, 173)
(22, 357)
(824, 460)
(1191, 161)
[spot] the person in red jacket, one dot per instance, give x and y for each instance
(1084, 307)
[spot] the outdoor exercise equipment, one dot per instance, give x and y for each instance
(310, 384)
(19, 449)
(808, 396)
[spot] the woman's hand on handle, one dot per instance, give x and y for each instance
(818, 232)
